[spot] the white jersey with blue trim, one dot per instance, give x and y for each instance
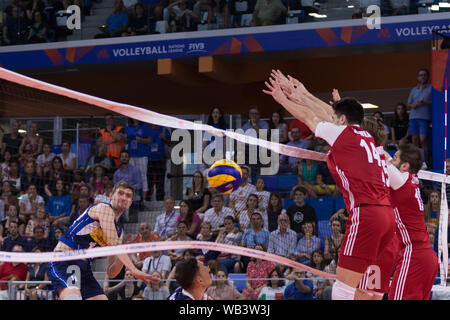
(85, 232)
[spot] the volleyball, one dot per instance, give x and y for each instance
(225, 176)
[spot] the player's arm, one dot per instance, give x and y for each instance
(396, 178)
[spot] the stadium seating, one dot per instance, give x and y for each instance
(287, 182)
(323, 205)
(323, 231)
(338, 203)
(271, 182)
(239, 280)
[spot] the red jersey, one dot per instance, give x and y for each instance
(356, 165)
(409, 211)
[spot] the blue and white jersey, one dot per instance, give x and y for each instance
(85, 232)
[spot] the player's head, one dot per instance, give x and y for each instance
(375, 127)
(348, 111)
(122, 196)
(192, 274)
(408, 158)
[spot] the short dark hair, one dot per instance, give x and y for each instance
(125, 151)
(351, 108)
(122, 184)
(185, 272)
(411, 154)
(38, 227)
(301, 189)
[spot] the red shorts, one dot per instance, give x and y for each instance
(414, 275)
(378, 277)
(369, 230)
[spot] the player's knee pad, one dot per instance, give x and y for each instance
(341, 291)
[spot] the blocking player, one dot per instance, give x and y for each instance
(418, 265)
(97, 226)
(357, 169)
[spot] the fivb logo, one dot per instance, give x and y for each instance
(206, 150)
(74, 17)
(373, 17)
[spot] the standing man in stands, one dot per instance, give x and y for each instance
(114, 138)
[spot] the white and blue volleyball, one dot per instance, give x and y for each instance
(225, 176)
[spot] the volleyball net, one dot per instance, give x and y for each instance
(19, 91)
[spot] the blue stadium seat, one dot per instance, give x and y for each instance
(324, 206)
(338, 203)
(323, 230)
(239, 280)
(287, 182)
(287, 202)
(271, 182)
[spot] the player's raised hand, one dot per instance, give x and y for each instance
(275, 91)
(336, 96)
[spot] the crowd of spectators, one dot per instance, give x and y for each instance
(38, 21)
(43, 192)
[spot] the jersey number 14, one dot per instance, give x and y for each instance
(373, 155)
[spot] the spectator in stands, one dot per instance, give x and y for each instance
(128, 289)
(156, 291)
(262, 193)
(275, 288)
(41, 219)
(59, 205)
(157, 160)
(342, 216)
(13, 176)
(256, 234)
(29, 176)
(15, 27)
(324, 184)
(399, 128)
(319, 145)
(11, 216)
(139, 21)
(57, 232)
(308, 243)
(128, 6)
(222, 290)
(252, 206)
(39, 30)
(419, 101)
(138, 139)
(127, 172)
(11, 141)
(13, 268)
(29, 203)
(44, 160)
(4, 169)
(181, 235)
(305, 132)
(300, 289)
(333, 242)
(8, 194)
(144, 235)
(399, 7)
(158, 262)
(198, 195)
(14, 237)
(57, 172)
(283, 241)
(274, 209)
(231, 235)
(215, 215)
(277, 123)
(86, 142)
(155, 8)
(98, 181)
(268, 12)
(257, 269)
(307, 176)
(432, 211)
(290, 164)
(82, 204)
(181, 18)
(238, 8)
(36, 272)
(38, 240)
(207, 255)
(216, 119)
(68, 158)
(387, 130)
(300, 212)
(319, 284)
(238, 198)
(220, 14)
(166, 223)
(112, 135)
(2, 210)
(116, 26)
(203, 9)
(33, 7)
(190, 217)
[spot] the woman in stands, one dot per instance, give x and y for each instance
(190, 217)
(277, 122)
(257, 269)
(308, 243)
(198, 195)
(31, 145)
(251, 207)
(262, 193)
(400, 125)
(180, 235)
(222, 290)
(334, 241)
(156, 291)
(275, 288)
(274, 209)
(432, 210)
(319, 284)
